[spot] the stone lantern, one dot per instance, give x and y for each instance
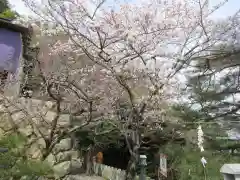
(231, 171)
(143, 164)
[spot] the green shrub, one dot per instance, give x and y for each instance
(14, 164)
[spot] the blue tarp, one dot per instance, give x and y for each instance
(10, 50)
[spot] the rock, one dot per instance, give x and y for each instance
(37, 154)
(44, 130)
(62, 169)
(65, 106)
(78, 120)
(24, 178)
(42, 178)
(44, 107)
(26, 131)
(50, 115)
(4, 122)
(51, 160)
(18, 116)
(2, 108)
(35, 102)
(12, 109)
(63, 145)
(49, 104)
(34, 151)
(75, 154)
(41, 143)
(67, 156)
(63, 156)
(64, 120)
(2, 132)
(76, 166)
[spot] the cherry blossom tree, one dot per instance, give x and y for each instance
(128, 54)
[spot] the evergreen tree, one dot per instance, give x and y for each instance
(213, 101)
(6, 11)
(4, 4)
(215, 86)
(184, 160)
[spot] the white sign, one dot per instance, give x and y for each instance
(163, 164)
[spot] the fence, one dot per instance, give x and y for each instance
(110, 173)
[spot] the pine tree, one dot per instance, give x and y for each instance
(215, 86)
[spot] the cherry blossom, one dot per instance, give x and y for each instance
(133, 53)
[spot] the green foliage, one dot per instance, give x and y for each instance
(8, 14)
(185, 160)
(184, 163)
(187, 114)
(102, 135)
(214, 85)
(5, 10)
(15, 164)
(4, 4)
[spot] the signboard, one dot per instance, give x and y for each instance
(163, 165)
(10, 50)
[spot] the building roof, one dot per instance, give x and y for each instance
(6, 23)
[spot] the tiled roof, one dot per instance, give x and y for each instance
(6, 23)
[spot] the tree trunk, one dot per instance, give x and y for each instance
(131, 168)
(89, 162)
(133, 144)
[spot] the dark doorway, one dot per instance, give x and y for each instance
(116, 157)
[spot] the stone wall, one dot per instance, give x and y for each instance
(33, 118)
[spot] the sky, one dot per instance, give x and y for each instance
(231, 7)
(19, 6)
